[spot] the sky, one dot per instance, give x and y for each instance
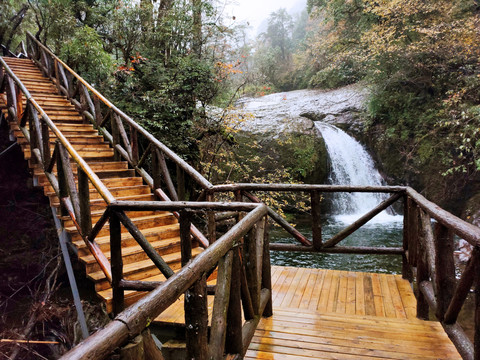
(255, 11)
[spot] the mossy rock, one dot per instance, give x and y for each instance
(303, 155)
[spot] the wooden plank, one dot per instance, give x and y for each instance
(342, 293)
(301, 284)
(396, 298)
(311, 278)
(317, 290)
(285, 280)
(377, 296)
(359, 294)
(326, 286)
(368, 296)
(387, 297)
(408, 298)
(333, 292)
(350, 307)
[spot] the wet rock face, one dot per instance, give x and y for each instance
(295, 111)
(283, 125)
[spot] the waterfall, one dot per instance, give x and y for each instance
(352, 165)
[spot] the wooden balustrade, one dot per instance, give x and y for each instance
(242, 254)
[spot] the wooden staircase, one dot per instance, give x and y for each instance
(159, 227)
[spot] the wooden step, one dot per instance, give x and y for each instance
(151, 234)
(134, 254)
(160, 228)
(142, 223)
(140, 270)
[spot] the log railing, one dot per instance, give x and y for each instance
(129, 140)
(40, 132)
(317, 243)
(427, 250)
(243, 282)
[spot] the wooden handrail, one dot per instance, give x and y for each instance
(467, 231)
(97, 183)
(205, 184)
(306, 187)
(134, 319)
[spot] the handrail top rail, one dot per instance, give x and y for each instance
(305, 187)
(97, 183)
(204, 183)
(463, 229)
(183, 205)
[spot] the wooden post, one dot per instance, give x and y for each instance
(98, 110)
(19, 108)
(62, 182)
(134, 350)
(445, 268)
(84, 197)
(406, 265)
(156, 171)
(412, 229)
(476, 337)
(116, 138)
(251, 266)
(316, 221)
(134, 144)
(195, 305)
(185, 237)
(266, 269)
(212, 228)
(422, 270)
(220, 307)
(117, 263)
(180, 183)
(69, 178)
(46, 145)
(196, 320)
(233, 341)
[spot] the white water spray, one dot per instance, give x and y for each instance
(352, 165)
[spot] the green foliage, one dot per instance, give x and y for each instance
(84, 52)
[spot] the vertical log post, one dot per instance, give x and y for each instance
(216, 345)
(251, 268)
(212, 228)
(62, 182)
(180, 184)
(70, 179)
(98, 110)
(445, 268)
(233, 341)
(195, 305)
(406, 265)
(266, 269)
(185, 237)
(412, 229)
(422, 270)
(46, 145)
(117, 263)
(84, 197)
(476, 337)
(19, 108)
(134, 144)
(156, 171)
(116, 138)
(316, 221)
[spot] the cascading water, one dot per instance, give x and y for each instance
(352, 165)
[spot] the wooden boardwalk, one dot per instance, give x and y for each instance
(328, 314)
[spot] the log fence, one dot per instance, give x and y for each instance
(241, 254)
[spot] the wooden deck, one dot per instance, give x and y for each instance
(328, 314)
